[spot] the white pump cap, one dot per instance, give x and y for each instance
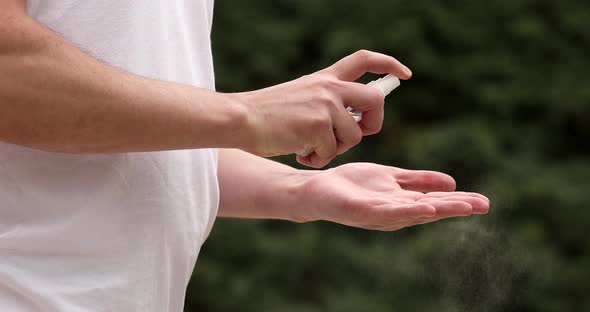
(385, 84)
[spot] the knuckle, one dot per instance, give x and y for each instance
(376, 97)
(320, 162)
(328, 150)
(415, 196)
(379, 126)
(362, 54)
(332, 152)
(332, 83)
(343, 148)
(320, 122)
(373, 130)
(327, 99)
(326, 158)
(357, 137)
(351, 140)
(376, 129)
(327, 84)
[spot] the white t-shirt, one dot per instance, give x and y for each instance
(111, 232)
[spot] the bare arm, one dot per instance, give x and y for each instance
(254, 187)
(360, 194)
(55, 97)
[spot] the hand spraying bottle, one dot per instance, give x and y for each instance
(385, 84)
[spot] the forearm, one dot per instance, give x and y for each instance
(255, 187)
(56, 98)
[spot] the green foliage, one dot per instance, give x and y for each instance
(500, 99)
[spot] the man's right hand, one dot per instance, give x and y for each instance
(310, 113)
(56, 98)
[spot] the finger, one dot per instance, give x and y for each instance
(479, 205)
(409, 223)
(397, 227)
(357, 64)
(347, 131)
(369, 101)
(414, 222)
(425, 220)
(410, 196)
(394, 214)
(446, 209)
(423, 180)
(446, 194)
(323, 153)
(361, 96)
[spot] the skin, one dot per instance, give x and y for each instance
(318, 103)
(56, 98)
(362, 195)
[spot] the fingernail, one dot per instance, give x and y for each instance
(407, 71)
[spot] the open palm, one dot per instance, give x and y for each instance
(385, 198)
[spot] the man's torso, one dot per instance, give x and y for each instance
(112, 232)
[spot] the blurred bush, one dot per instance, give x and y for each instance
(500, 99)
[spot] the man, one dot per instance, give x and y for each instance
(116, 155)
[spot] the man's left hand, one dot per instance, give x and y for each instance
(380, 197)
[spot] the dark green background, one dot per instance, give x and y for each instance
(500, 99)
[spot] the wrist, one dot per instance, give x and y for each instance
(254, 187)
(236, 120)
(293, 196)
(246, 136)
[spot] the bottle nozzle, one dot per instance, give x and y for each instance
(385, 84)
